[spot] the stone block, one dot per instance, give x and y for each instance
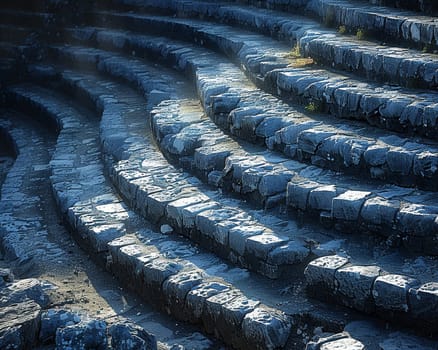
(53, 319)
(390, 292)
(380, 212)
(298, 193)
(321, 198)
(19, 325)
(423, 302)
(85, 335)
(129, 336)
(239, 235)
(197, 296)
(418, 220)
(320, 273)
(348, 205)
(291, 253)
(266, 328)
(260, 246)
(355, 286)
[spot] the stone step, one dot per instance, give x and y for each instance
(408, 296)
(387, 24)
(244, 111)
(387, 210)
(40, 20)
(394, 261)
(426, 6)
(23, 191)
(170, 198)
(394, 65)
(173, 275)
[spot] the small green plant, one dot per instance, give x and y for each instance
(295, 52)
(313, 107)
(342, 30)
(361, 34)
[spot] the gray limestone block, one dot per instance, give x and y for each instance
(321, 198)
(320, 273)
(375, 155)
(259, 246)
(155, 272)
(231, 317)
(239, 234)
(430, 116)
(310, 139)
(158, 201)
(344, 344)
(19, 325)
(348, 205)
(355, 286)
(53, 319)
(25, 289)
(266, 328)
(251, 177)
(270, 125)
(174, 210)
(190, 213)
(275, 181)
(390, 292)
(115, 245)
(289, 134)
(426, 164)
(176, 287)
(248, 126)
(197, 296)
(379, 211)
(211, 157)
(224, 103)
(298, 191)
(84, 335)
(208, 222)
(129, 336)
(100, 235)
(291, 253)
(423, 303)
(418, 220)
(213, 307)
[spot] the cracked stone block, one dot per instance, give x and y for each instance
(239, 235)
(348, 205)
(266, 328)
(291, 253)
(426, 164)
(261, 245)
(197, 296)
(190, 213)
(19, 291)
(131, 258)
(380, 212)
(355, 285)
(53, 319)
(89, 335)
(230, 320)
(19, 325)
(158, 270)
(174, 209)
(128, 335)
(310, 139)
(298, 193)
(115, 245)
(101, 235)
(176, 287)
(216, 223)
(270, 125)
(418, 220)
(320, 198)
(423, 302)
(213, 307)
(320, 273)
(211, 157)
(274, 182)
(390, 292)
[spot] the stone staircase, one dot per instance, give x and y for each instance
(264, 170)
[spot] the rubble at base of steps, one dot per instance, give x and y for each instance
(370, 289)
(25, 322)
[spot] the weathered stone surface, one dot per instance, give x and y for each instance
(291, 253)
(265, 328)
(423, 302)
(196, 298)
(355, 285)
(22, 290)
(53, 319)
(19, 324)
(390, 292)
(380, 212)
(348, 205)
(320, 273)
(84, 335)
(129, 336)
(261, 245)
